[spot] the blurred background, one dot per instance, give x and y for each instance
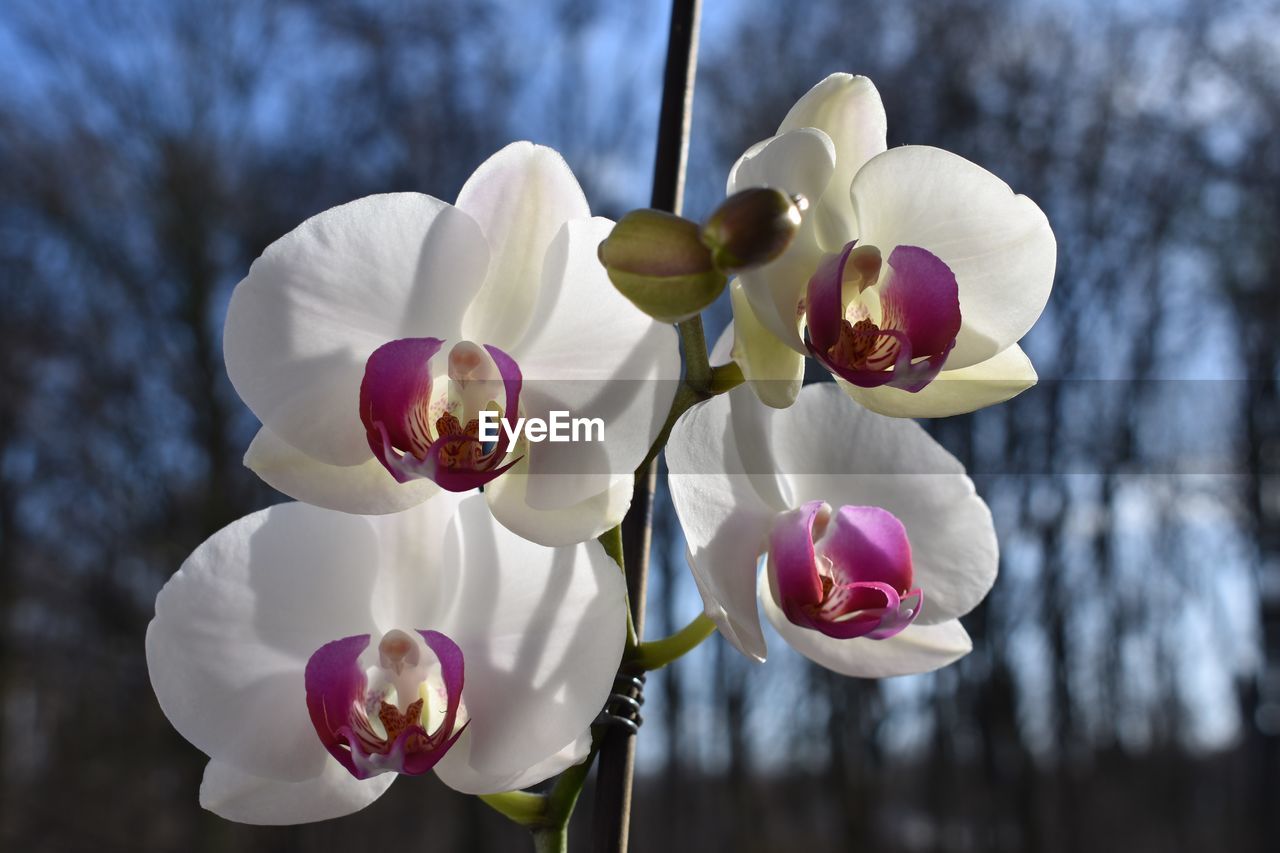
(1124, 689)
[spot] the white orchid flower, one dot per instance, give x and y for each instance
(313, 655)
(874, 538)
(913, 276)
(370, 339)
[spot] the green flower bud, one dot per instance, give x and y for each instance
(657, 260)
(752, 228)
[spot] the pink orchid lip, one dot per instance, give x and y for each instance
(845, 573)
(339, 703)
(410, 439)
(920, 319)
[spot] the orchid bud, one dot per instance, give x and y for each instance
(657, 261)
(752, 228)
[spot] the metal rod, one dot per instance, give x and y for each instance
(612, 819)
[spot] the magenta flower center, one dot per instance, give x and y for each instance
(845, 573)
(421, 410)
(874, 325)
(394, 709)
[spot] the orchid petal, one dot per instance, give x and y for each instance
(797, 162)
(792, 560)
(335, 683)
(508, 498)
(243, 798)
(728, 628)
(868, 544)
(542, 632)
(395, 397)
(917, 648)
(231, 635)
(411, 584)
(954, 392)
(591, 354)
(320, 299)
(918, 297)
(521, 196)
(848, 109)
(366, 489)
(452, 672)
(825, 448)
(824, 303)
(774, 370)
(724, 509)
(999, 245)
(456, 771)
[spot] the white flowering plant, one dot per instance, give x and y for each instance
(448, 592)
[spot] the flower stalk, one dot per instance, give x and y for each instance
(656, 654)
(697, 370)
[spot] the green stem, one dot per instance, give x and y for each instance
(725, 377)
(656, 654)
(716, 380)
(551, 839)
(697, 370)
(685, 398)
(562, 798)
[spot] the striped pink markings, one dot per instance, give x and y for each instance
(873, 326)
(421, 418)
(400, 714)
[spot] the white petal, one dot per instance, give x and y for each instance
(413, 563)
(323, 297)
(541, 631)
(366, 488)
(458, 774)
(825, 447)
(999, 245)
(751, 641)
(724, 510)
(848, 109)
(954, 392)
(799, 161)
(774, 370)
(243, 798)
(508, 501)
(521, 196)
(919, 648)
(591, 354)
(235, 626)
